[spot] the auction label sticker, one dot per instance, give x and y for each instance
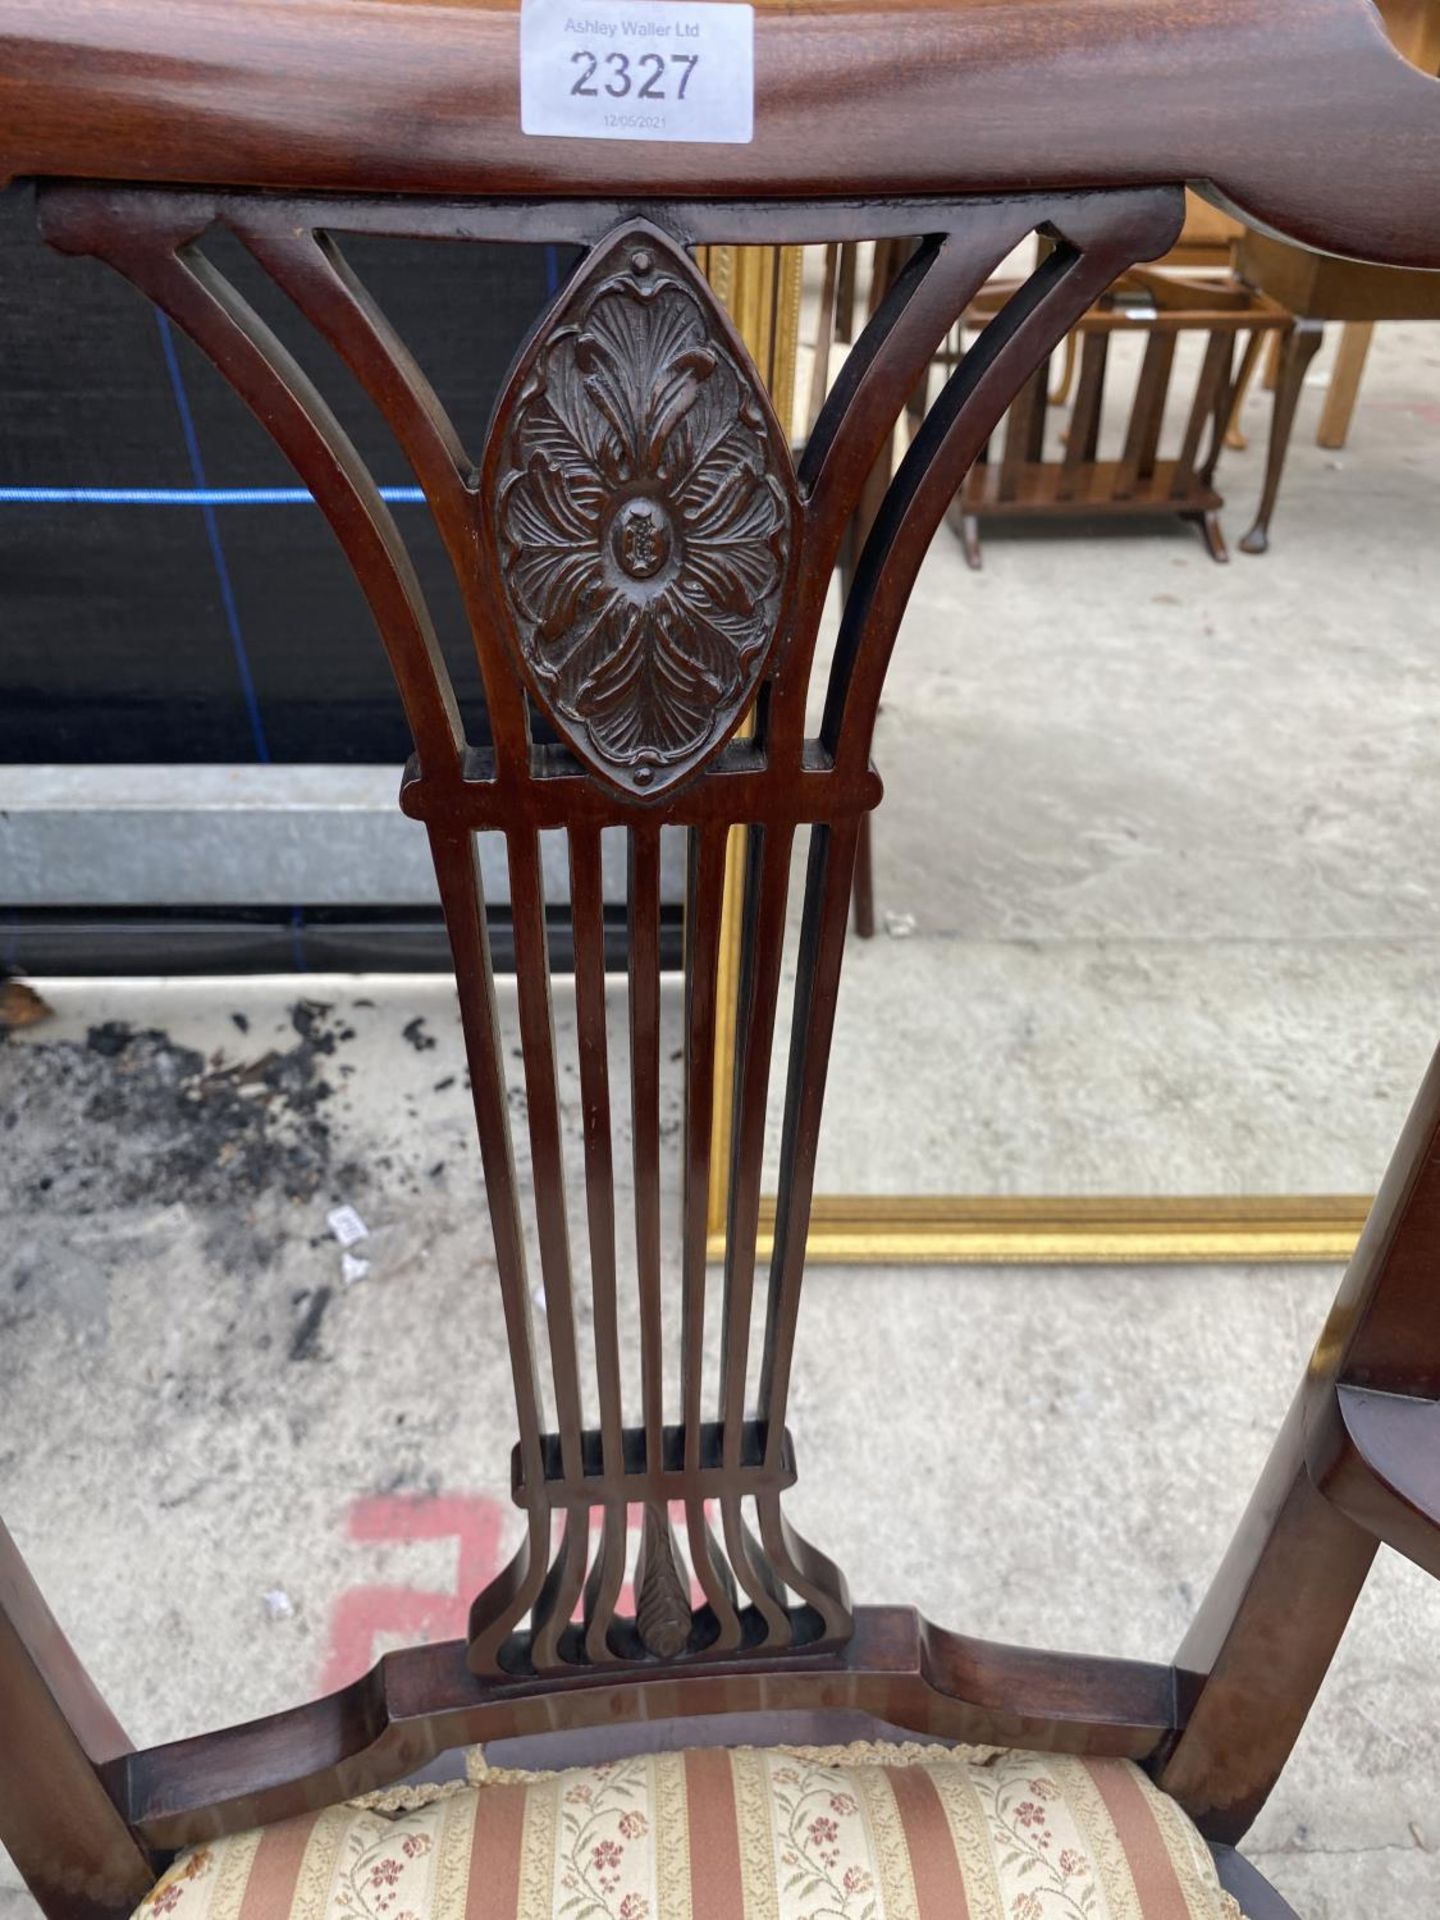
(638, 69)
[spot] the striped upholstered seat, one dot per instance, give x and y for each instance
(899, 1833)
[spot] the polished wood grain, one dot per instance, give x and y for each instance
(77, 1851)
(633, 494)
(1275, 102)
(642, 560)
(1353, 1466)
(895, 1667)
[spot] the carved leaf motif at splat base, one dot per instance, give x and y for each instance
(662, 1599)
(644, 517)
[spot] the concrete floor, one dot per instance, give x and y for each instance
(1161, 832)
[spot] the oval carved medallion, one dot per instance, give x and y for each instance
(644, 517)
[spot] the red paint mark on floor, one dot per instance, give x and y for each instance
(389, 1614)
(374, 1616)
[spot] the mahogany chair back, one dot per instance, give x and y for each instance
(643, 565)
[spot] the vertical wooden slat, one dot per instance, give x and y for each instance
(537, 1042)
(588, 931)
(587, 911)
(645, 1120)
(1221, 403)
(705, 896)
(1083, 445)
(767, 881)
(817, 983)
(1146, 416)
(727, 995)
(662, 1608)
(813, 1578)
(1039, 413)
(556, 1604)
(1211, 397)
(457, 870)
(562, 1586)
(1026, 410)
(766, 886)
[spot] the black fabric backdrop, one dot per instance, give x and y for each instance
(129, 631)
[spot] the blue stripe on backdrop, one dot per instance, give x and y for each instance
(183, 496)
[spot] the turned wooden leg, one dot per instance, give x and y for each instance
(1234, 432)
(1339, 408)
(1272, 361)
(862, 893)
(970, 540)
(1301, 343)
(1212, 533)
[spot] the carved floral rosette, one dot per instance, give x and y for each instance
(644, 516)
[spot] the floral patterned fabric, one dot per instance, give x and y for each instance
(913, 1833)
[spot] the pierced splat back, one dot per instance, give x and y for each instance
(641, 562)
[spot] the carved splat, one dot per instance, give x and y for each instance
(639, 557)
(82, 1814)
(643, 508)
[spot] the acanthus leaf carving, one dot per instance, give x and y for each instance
(662, 1599)
(644, 517)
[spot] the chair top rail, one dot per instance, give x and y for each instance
(1272, 106)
